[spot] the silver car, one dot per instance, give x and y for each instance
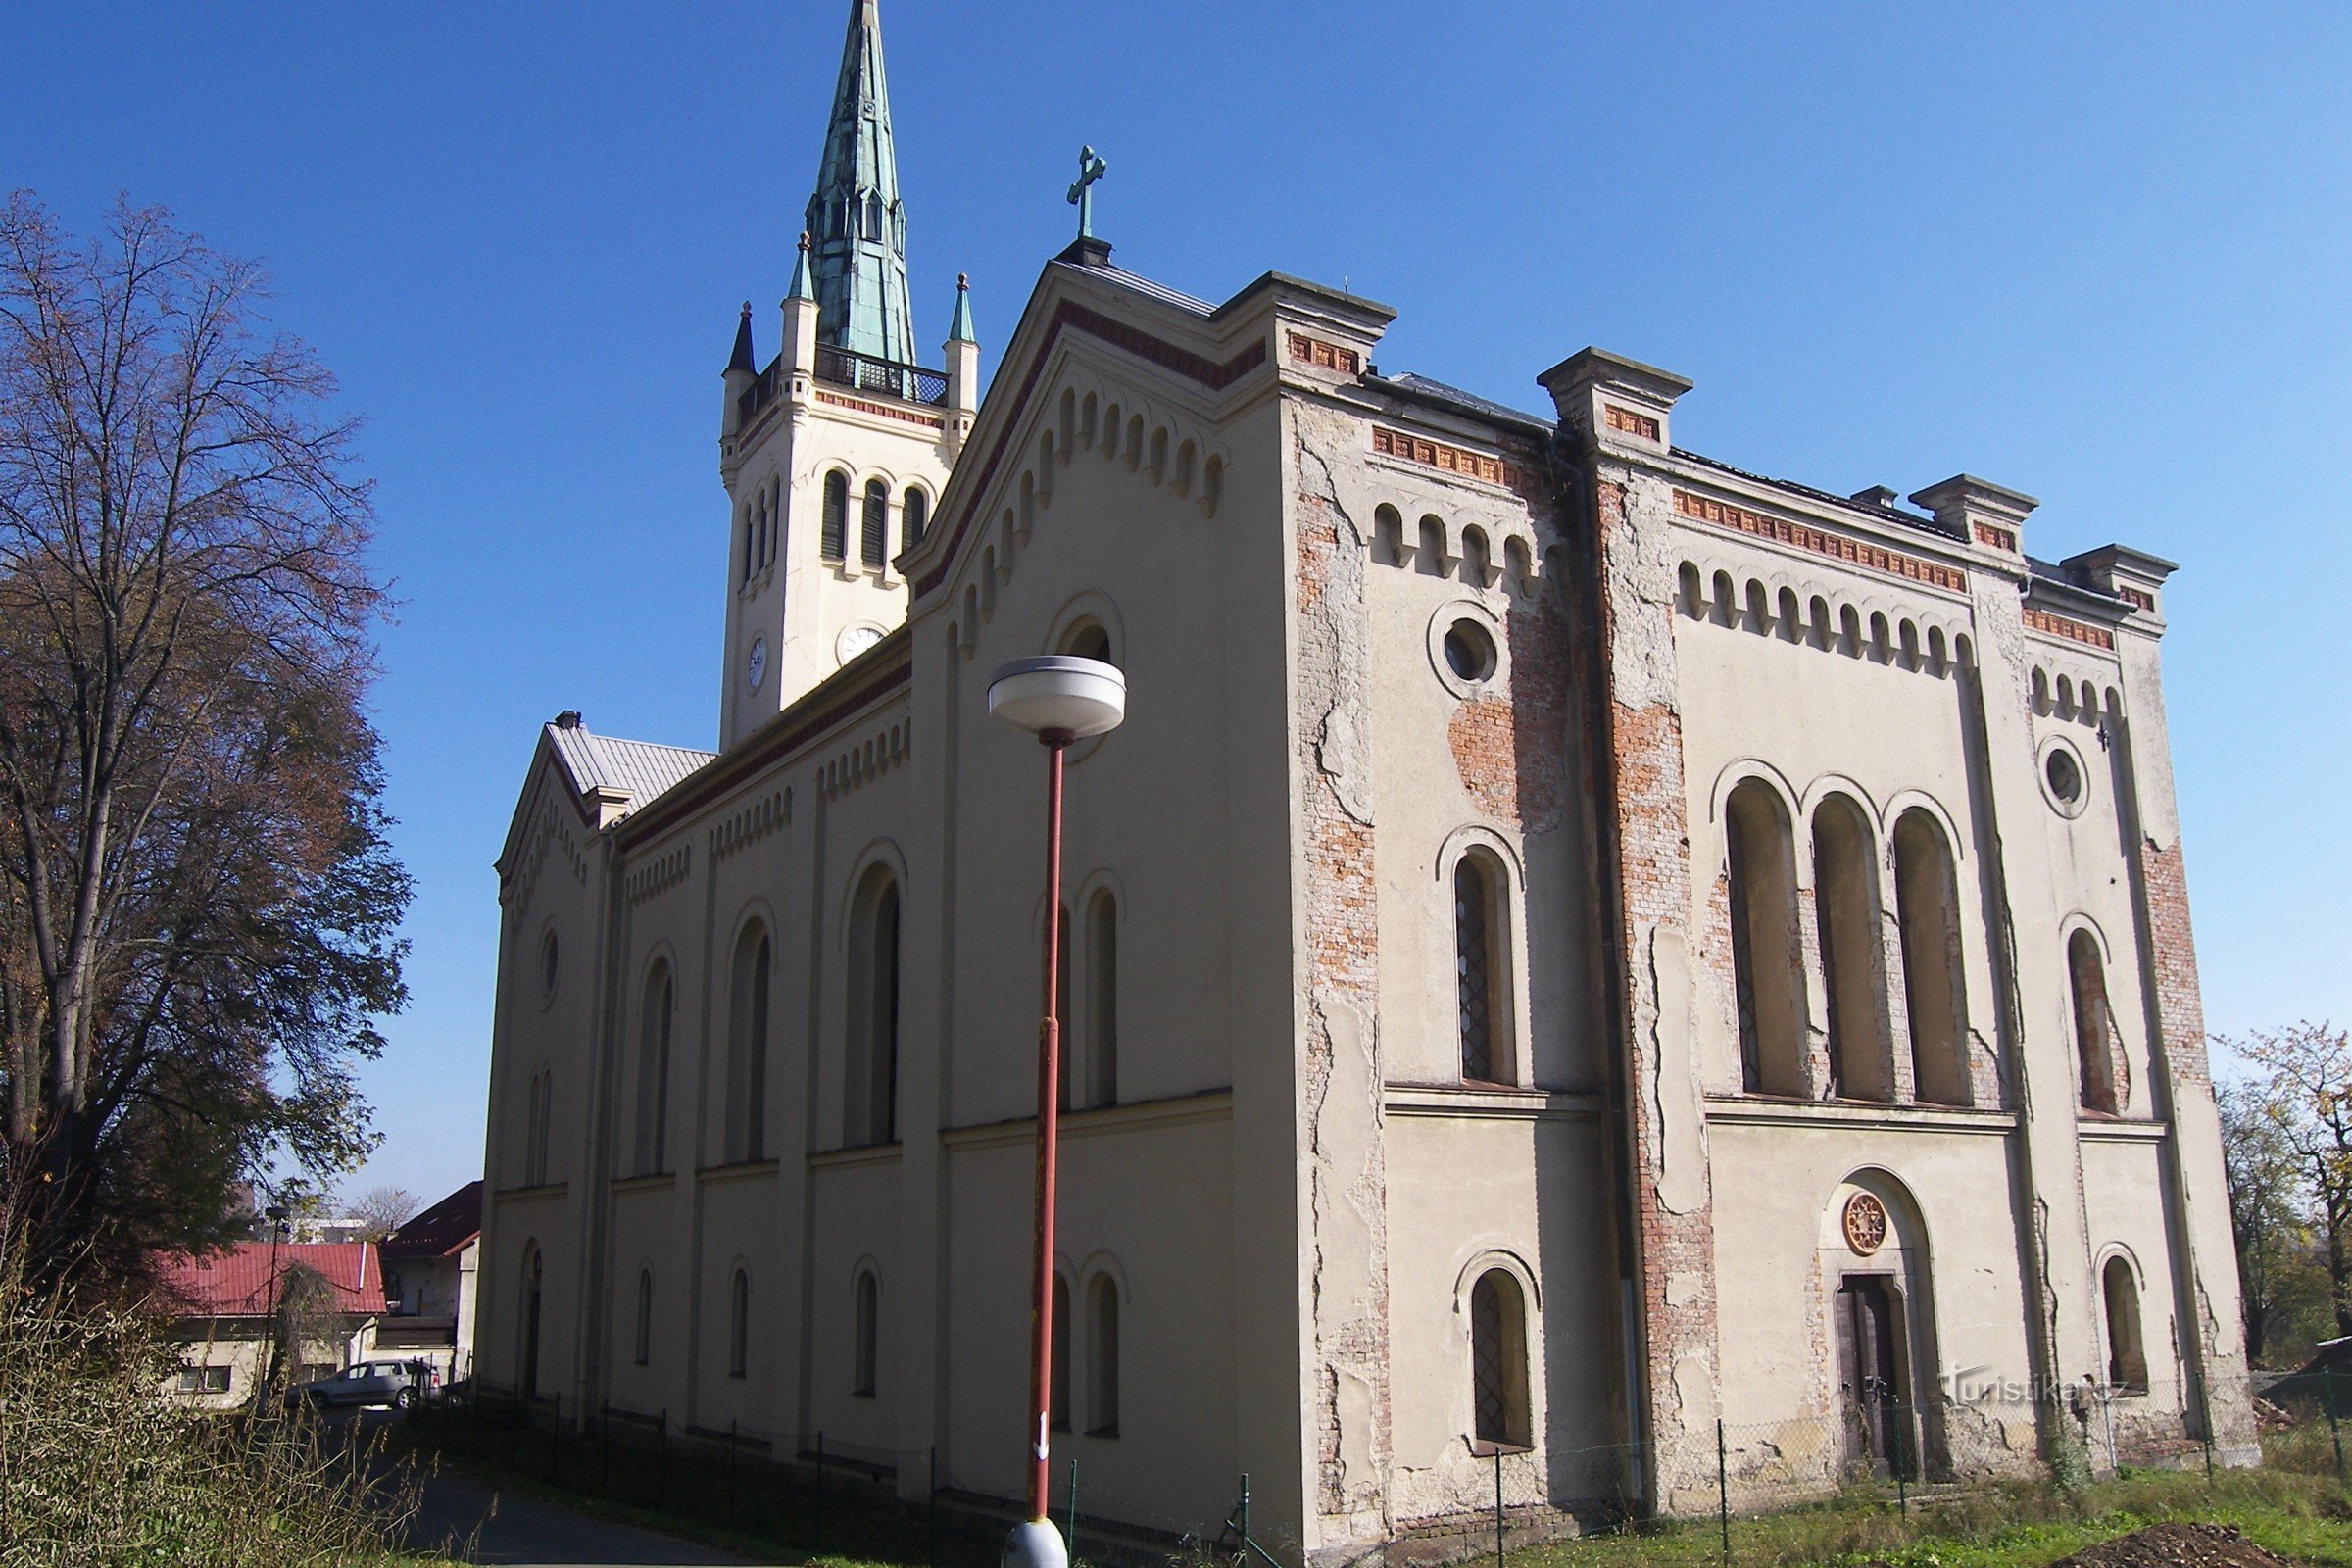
(399, 1384)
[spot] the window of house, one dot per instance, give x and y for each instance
(1767, 978)
(2126, 1356)
(652, 1070)
(1927, 899)
(914, 518)
(1058, 1394)
(644, 1317)
(1845, 907)
(833, 532)
(1481, 970)
(1498, 1361)
(871, 1077)
(2095, 1026)
(1103, 1358)
(746, 1048)
(202, 1380)
(739, 1324)
(874, 532)
(1103, 1002)
(865, 1353)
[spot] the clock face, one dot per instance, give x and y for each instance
(856, 640)
(757, 665)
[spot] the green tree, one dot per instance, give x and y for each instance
(2283, 1282)
(198, 909)
(2306, 1095)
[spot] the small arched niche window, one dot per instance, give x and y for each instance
(644, 1354)
(866, 1353)
(1498, 1361)
(1089, 640)
(2094, 1027)
(746, 1047)
(1767, 979)
(1058, 1397)
(874, 530)
(1103, 1358)
(1927, 901)
(739, 1324)
(833, 531)
(871, 1084)
(1845, 907)
(1103, 999)
(914, 517)
(1482, 988)
(2126, 1354)
(653, 1069)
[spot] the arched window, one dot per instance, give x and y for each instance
(746, 1048)
(1927, 902)
(1103, 999)
(1768, 981)
(1482, 971)
(644, 1317)
(739, 1324)
(2094, 1028)
(1103, 1358)
(1089, 640)
(527, 1374)
(866, 1354)
(530, 1134)
(1498, 1361)
(751, 539)
(1058, 1394)
(2126, 1356)
(1845, 909)
(872, 1060)
(914, 517)
(833, 535)
(874, 540)
(653, 1072)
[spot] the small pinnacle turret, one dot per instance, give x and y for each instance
(959, 329)
(801, 288)
(742, 358)
(859, 224)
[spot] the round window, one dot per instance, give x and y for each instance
(2065, 775)
(1469, 650)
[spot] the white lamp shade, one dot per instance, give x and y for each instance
(1078, 696)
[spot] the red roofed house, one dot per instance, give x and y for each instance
(223, 1303)
(428, 1285)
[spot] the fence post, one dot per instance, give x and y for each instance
(731, 1470)
(664, 1497)
(1498, 1507)
(1722, 1490)
(1902, 1460)
(603, 1445)
(555, 1444)
(2335, 1433)
(931, 1507)
(1245, 1515)
(1072, 1544)
(817, 1524)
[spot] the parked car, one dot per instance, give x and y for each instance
(399, 1384)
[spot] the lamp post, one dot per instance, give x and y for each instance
(277, 1214)
(1058, 699)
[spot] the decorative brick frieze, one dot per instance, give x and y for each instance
(882, 410)
(2138, 599)
(1325, 356)
(2073, 631)
(1994, 537)
(1821, 541)
(1447, 460)
(1630, 421)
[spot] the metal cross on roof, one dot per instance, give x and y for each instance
(1082, 194)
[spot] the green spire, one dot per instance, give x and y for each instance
(801, 288)
(858, 226)
(959, 331)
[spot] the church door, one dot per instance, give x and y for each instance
(1878, 1404)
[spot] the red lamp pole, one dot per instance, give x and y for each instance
(1049, 1132)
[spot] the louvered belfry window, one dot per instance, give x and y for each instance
(833, 534)
(1474, 989)
(875, 542)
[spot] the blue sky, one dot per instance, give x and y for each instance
(2098, 254)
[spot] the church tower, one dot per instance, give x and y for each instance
(834, 454)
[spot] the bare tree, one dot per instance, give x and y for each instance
(197, 907)
(2306, 1093)
(2281, 1283)
(381, 1210)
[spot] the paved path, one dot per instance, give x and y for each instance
(473, 1522)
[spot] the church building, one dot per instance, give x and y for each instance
(1574, 943)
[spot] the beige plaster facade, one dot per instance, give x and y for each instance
(759, 1142)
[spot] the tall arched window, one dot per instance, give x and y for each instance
(739, 1324)
(751, 539)
(1058, 1394)
(874, 534)
(1498, 1361)
(530, 1133)
(833, 533)
(1103, 999)
(914, 517)
(2095, 1029)
(644, 1317)
(1927, 902)
(1845, 909)
(1767, 980)
(652, 1070)
(866, 1353)
(872, 1060)
(746, 1048)
(1482, 990)
(1103, 1358)
(2126, 1354)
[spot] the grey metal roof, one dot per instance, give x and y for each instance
(642, 769)
(1144, 286)
(1429, 390)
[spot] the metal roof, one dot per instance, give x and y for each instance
(640, 770)
(1428, 390)
(242, 1280)
(1142, 285)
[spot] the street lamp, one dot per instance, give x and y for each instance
(1058, 699)
(277, 1214)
